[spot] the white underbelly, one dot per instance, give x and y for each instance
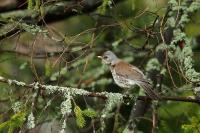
(121, 81)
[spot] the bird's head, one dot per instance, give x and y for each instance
(109, 58)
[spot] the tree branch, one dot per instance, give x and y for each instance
(102, 95)
(49, 13)
(52, 13)
(44, 54)
(154, 121)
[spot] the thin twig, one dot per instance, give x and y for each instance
(154, 121)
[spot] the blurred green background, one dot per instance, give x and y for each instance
(64, 53)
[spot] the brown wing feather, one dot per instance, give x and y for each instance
(148, 90)
(123, 69)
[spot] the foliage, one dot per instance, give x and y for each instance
(102, 8)
(15, 121)
(193, 127)
(89, 113)
(30, 4)
(37, 4)
(81, 114)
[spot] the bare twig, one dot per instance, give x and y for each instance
(154, 121)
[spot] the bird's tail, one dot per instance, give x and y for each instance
(148, 90)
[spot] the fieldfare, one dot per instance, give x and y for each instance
(126, 75)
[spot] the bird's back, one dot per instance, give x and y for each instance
(125, 75)
(127, 70)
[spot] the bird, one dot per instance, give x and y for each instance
(126, 75)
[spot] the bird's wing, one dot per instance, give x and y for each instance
(128, 71)
(123, 69)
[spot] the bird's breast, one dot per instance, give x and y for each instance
(122, 81)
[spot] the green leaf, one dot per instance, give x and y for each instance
(89, 113)
(48, 68)
(18, 119)
(30, 4)
(4, 125)
(23, 65)
(79, 116)
(15, 121)
(193, 126)
(102, 8)
(10, 130)
(37, 4)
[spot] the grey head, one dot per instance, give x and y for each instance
(109, 58)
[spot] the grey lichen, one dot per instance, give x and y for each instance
(62, 131)
(113, 100)
(183, 7)
(50, 88)
(63, 90)
(76, 91)
(153, 64)
(171, 21)
(35, 85)
(17, 106)
(63, 127)
(30, 121)
(184, 53)
(9, 82)
(68, 93)
(66, 106)
(194, 6)
(2, 78)
(178, 36)
(19, 83)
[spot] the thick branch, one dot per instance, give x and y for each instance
(178, 99)
(102, 95)
(43, 55)
(50, 13)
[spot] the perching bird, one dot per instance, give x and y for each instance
(126, 75)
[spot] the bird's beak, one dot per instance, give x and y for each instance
(100, 57)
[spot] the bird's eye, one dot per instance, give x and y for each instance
(105, 57)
